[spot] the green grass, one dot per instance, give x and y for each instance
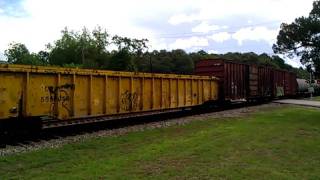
(283, 143)
(316, 98)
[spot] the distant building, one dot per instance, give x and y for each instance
(3, 62)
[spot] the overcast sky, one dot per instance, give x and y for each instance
(216, 26)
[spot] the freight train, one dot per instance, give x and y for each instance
(41, 97)
(248, 81)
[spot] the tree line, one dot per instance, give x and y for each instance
(97, 49)
(93, 49)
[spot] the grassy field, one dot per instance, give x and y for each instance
(282, 143)
(317, 98)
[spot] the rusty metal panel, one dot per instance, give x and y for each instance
(65, 93)
(261, 82)
(279, 83)
(248, 81)
(265, 81)
(210, 67)
(253, 81)
(233, 77)
(290, 84)
(285, 83)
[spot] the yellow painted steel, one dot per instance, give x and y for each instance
(66, 93)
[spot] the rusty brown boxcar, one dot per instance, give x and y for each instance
(278, 83)
(233, 77)
(265, 81)
(290, 84)
(248, 81)
(285, 83)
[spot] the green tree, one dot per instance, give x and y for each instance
(43, 57)
(200, 55)
(183, 63)
(301, 73)
(131, 45)
(18, 53)
(129, 52)
(266, 60)
(84, 48)
(302, 38)
(122, 61)
(162, 62)
(66, 50)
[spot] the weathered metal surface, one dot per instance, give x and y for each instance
(265, 81)
(253, 81)
(64, 93)
(291, 84)
(233, 76)
(285, 83)
(248, 81)
(278, 83)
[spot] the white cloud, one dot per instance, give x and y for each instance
(2, 57)
(189, 43)
(256, 34)
(220, 37)
(213, 52)
(181, 18)
(205, 27)
(281, 10)
(295, 61)
(158, 44)
(46, 18)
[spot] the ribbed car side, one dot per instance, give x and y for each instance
(29, 92)
(248, 81)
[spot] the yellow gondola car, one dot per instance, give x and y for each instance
(64, 94)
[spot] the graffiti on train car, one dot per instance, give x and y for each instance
(58, 94)
(129, 101)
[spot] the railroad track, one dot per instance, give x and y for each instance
(57, 123)
(63, 134)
